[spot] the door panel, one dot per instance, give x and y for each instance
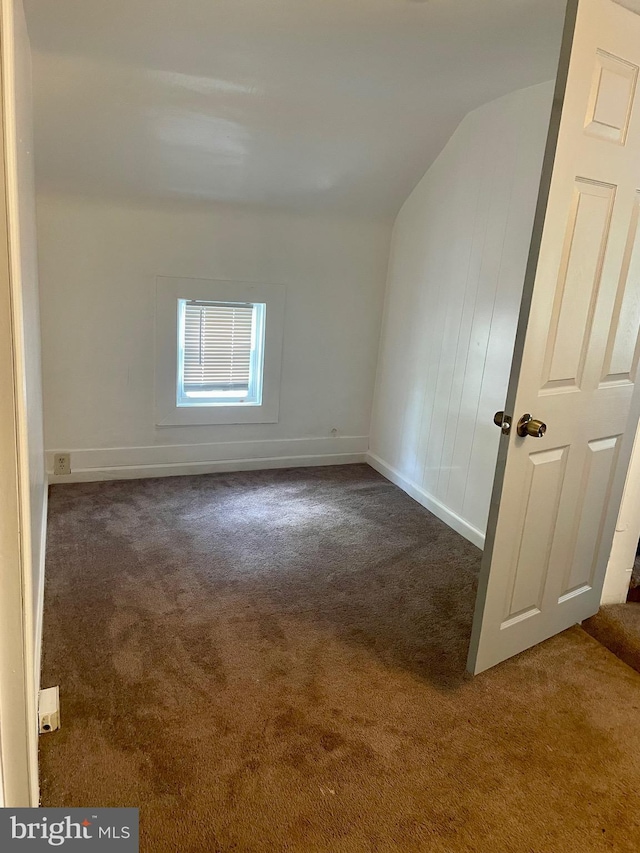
(621, 358)
(593, 497)
(556, 497)
(634, 5)
(545, 479)
(579, 282)
(611, 98)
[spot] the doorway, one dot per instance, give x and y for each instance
(183, 620)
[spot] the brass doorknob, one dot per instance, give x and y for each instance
(530, 426)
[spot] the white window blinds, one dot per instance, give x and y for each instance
(217, 346)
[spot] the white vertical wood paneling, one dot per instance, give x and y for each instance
(457, 265)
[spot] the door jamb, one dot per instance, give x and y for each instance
(18, 679)
(627, 534)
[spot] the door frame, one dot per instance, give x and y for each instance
(626, 536)
(19, 658)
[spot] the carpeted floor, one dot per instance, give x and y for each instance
(274, 661)
(617, 626)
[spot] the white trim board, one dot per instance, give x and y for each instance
(427, 501)
(39, 593)
(625, 538)
(18, 699)
(123, 463)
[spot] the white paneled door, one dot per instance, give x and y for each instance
(557, 490)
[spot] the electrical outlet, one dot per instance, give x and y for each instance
(49, 710)
(61, 463)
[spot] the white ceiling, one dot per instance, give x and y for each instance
(338, 104)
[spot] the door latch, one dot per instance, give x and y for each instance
(503, 421)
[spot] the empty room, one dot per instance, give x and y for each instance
(322, 323)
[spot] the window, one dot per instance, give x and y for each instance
(220, 353)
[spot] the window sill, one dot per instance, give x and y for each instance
(218, 405)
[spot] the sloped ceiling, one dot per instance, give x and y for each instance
(306, 104)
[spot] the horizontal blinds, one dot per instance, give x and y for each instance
(217, 345)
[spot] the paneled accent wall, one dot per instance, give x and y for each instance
(456, 271)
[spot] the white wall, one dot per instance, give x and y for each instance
(23, 477)
(98, 265)
(456, 271)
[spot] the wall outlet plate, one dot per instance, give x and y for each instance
(49, 710)
(61, 463)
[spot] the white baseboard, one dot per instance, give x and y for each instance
(129, 463)
(125, 463)
(443, 512)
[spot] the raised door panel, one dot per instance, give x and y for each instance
(578, 284)
(545, 477)
(611, 99)
(633, 5)
(590, 511)
(622, 347)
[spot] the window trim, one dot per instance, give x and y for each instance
(168, 293)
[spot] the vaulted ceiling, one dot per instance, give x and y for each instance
(331, 104)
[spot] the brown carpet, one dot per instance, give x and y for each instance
(274, 661)
(634, 586)
(617, 626)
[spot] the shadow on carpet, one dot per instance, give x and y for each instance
(617, 627)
